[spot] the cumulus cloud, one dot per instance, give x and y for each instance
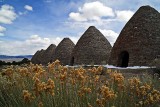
(36, 40)
(92, 11)
(77, 17)
(124, 15)
(30, 45)
(7, 14)
(100, 13)
(29, 8)
(110, 35)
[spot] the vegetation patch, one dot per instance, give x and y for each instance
(59, 86)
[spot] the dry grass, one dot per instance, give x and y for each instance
(59, 86)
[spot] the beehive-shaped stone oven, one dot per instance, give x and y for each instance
(48, 54)
(91, 48)
(37, 57)
(44, 56)
(139, 41)
(34, 57)
(63, 51)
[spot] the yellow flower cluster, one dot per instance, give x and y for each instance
(51, 66)
(117, 77)
(63, 73)
(40, 87)
(27, 96)
(8, 72)
(149, 98)
(97, 77)
(50, 87)
(40, 104)
(95, 70)
(24, 72)
(68, 86)
(106, 95)
(134, 82)
(83, 91)
(144, 92)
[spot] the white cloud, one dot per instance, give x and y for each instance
(74, 39)
(124, 15)
(36, 40)
(92, 11)
(29, 8)
(104, 23)
(99, 15)
(7, 14)
(1, 34)
(2, 30)
(29, 46)
(110, 35)
(77, 16)
(57, 40)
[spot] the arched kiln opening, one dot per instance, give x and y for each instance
(72, 61)
(123, 59)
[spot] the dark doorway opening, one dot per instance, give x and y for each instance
(123, 59)
(72, 61)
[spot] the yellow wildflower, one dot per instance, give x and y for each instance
(40, 104)
(27, 96)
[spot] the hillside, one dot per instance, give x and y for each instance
(19, 56)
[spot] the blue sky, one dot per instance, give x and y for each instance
(29, 25)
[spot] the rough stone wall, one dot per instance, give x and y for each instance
(48, 54)
(63, 51)
(34, 57)
(91, 48)
(39, 58)
(140, 38)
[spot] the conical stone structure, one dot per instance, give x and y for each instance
(139, 41)
(63, 51)
(38, 57)
(91, 48)
(48, 54)
(34, 57)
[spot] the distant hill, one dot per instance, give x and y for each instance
(19, 56)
